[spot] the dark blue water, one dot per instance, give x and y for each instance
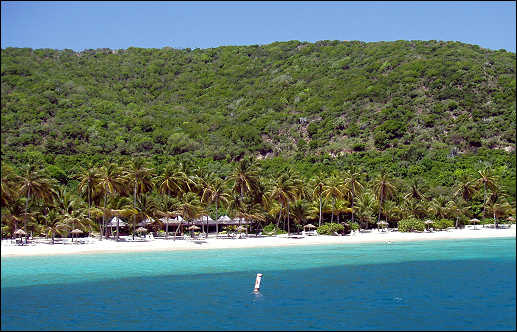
(453, 293)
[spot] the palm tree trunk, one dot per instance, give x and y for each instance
(333, 207)
(216, 217)
(26, 209)
(134, 217)
(103, 214)
(89, 200)
(353, 196)
(380, 207)
(484, 199)
(319, 223)
(288, 229)
(167, 229)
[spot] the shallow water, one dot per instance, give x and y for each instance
(431, 285)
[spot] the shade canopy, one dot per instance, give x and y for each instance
(429, 221)
(20, 232)
(474, 220)
(171, 221)
(113, 222)
(145, 222)
(224, 218)
(193, 227)
(141, 230)
(309, 226)
(77, 231)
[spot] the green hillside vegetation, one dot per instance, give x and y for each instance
(440, 112)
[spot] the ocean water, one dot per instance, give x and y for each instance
(431, 285)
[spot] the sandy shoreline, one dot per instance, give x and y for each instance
(109, 246)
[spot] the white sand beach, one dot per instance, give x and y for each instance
(9, 249)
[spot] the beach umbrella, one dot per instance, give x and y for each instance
(310, 226)
(20, 232)
(141, 230)
(510, 218)
(428, 222)
(475, 221)
(193, 228)
(76, 231)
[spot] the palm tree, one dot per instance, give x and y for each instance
(414, 207)
(9, 192)
(300, 211)
(111, 181)
(391, 211)
(415, 191)
(383, 188)
(354, 186)
(189, 207)
(34, 182)
(334, 189)
(318, 185)
(175, 181)
(55, 223)
(88, 181)
(457, 208)
(487, 180)
(365, 206)
(166, 207)
(465, 188)
(245, 178)
(140, 176)
(438, 207)
(216, 192)
(285, 189)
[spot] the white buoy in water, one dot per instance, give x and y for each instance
(257, 282)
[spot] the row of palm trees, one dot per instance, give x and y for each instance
(135, 191)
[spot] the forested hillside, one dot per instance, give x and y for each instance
(416, 108)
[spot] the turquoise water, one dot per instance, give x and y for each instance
(431, 285)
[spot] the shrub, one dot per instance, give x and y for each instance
(411, 224)
(354, 226)
(443, 224)
(330, 228)
(273, 229)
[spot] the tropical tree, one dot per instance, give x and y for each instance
(487, 180)
(334, 189)
(34, 184)
(189, 207)
(285, 189)
(88, 181)
(317, 184)
(457, 208)
(365, 206)
(139, 176)
(353, 186)
(383, 188)
(111, 181)
(55, 224)
(216, 192)
(245, 178)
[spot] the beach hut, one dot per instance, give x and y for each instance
(146, 222)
